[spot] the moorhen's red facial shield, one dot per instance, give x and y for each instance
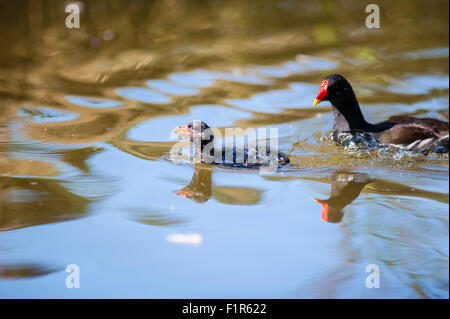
(322, 93)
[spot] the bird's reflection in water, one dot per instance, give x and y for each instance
(201, 189)
(345, 188)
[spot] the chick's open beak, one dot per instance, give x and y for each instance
(180, 192)
(182, 130)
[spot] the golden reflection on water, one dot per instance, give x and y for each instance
(32, 201)
(24, 271)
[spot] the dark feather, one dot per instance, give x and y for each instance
(422, 135)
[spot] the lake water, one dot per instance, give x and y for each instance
(86, 119)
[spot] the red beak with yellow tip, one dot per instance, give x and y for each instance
(322, 93)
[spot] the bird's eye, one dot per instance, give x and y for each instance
(337, 91)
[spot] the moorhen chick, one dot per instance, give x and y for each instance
(202, 136)
(421, 135)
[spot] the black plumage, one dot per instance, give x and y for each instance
(421, 135)
(203, 138)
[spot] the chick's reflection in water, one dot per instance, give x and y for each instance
(200, 187)
(345, 188)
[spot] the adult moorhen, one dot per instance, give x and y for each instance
(421, 135)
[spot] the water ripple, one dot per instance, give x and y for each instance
(93, 101)
(143, 95)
